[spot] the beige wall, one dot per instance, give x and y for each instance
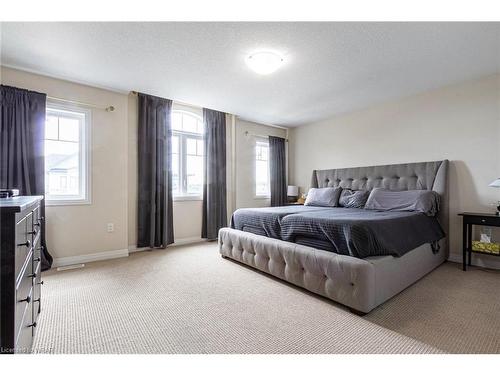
(74, 231)
(240, 191)
(188, 214)
(80, 230)
(460, 123)
(245, 162)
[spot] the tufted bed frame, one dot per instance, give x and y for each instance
(360, 284)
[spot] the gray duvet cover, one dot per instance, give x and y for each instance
(266, 221)
(348, 231)
(361, 233)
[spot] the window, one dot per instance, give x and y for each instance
(262, 185)
(66, 155)
(187, 155)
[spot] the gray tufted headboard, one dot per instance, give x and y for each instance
(431, 175)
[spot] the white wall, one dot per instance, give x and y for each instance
(460, 123)
(80, 230)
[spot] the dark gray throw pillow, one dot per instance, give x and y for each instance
(424, 201)
(324, 197)
(353, 198)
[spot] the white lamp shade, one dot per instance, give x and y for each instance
(495, 183)
(293, 191)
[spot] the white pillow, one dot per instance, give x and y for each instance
(324, 197)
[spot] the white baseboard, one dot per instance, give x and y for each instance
(112, 254)
(485, 261)
(179, 242)
(187, 240)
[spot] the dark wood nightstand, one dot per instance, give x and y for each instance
(470, 219)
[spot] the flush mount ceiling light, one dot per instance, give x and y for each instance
(264, 62)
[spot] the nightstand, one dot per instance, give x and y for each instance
(295, 204)
(470, 219)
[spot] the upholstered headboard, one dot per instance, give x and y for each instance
(431, 175)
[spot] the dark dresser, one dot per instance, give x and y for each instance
(20, 272)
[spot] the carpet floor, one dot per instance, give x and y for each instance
(188, 299)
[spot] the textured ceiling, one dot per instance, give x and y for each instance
(330, 68)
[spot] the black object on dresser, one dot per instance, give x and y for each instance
(20, 272)
(470, 219)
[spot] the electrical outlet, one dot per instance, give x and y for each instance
(111, 227)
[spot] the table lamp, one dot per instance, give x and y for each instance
(293, 193)
(496, 184)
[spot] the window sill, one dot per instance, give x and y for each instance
(67, 202)
(187, 198)
(262, 197)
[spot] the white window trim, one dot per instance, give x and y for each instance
(260, 196)
(85, 158)
(186, 198)
(182, 158)
(182, 165)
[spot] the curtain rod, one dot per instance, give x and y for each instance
(247, 133)
(195, 106)
(107, 109)
(175, 101)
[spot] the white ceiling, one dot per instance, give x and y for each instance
(330, 68)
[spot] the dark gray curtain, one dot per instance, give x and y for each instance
(155, 216)
(22, 133)
(277, 170)
(214, 187)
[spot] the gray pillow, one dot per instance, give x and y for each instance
(424, 201)
(353, 198)
(325, 197)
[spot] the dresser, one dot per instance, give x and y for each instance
(20, 272)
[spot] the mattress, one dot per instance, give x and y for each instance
(348, 231)
(266, 221)
(361, 233)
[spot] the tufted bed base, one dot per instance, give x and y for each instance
(360, 284)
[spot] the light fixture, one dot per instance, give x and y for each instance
(293, 193)
(264, 62)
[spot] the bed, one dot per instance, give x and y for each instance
(295, 243)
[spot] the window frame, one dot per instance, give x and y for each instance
(84, 157)
(183, 136)
(265, 141)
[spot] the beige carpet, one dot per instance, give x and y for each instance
(189, 300)
(456, 311)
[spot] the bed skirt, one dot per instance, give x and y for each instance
(360, 284)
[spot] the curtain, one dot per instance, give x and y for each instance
(277, 170)
(22, 133)
(214, 214)
(155, 215)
